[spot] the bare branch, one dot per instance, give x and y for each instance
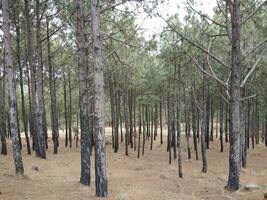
(205, 16)
(256, 47)
(249, 97)
(251, 71)
(196, 45)
(210, 75)
(264, 3)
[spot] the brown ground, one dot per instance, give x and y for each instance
(150, 177)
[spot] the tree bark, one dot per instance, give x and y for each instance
(194, 124)
(36, 130)
(23, 109)
(204, 125)
(65, 110)
(11, 86)
(41, 122)
(221, 123)
(100, 163)
(234, 125)
(3, 115)
(53, 96)
(70, 109)
(85, 178)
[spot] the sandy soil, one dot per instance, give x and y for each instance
(150, 177)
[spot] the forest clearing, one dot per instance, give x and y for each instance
(133, 99)
(130, 178)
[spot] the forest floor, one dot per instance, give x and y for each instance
(129, 178)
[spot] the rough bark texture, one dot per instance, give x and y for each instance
(41, 120)
(85, 178)
(234, 125)
(12, 99)
(100, 162)
(40, 78)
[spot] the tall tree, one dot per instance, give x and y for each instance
(12, 99)
(85, 178)
(53, 96)
(100, 162)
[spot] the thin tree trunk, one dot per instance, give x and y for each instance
(160, 122)
(139, 131)
(204, 125)
(40, 79)
(179, 135)
(130, 118)
(70, 110)
(152, 137)
(221, 123)
(3, 115)
(126, 119)
(226, 122)
(53, 97)
(23, 109)
(207, 133)
(11, 86)
(211, 119)
(116, 104)
(194, 125)
(37, 129)
(65, 110)
(144, 131)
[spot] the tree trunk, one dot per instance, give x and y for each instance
(41, 119)
(144, 131)
(243, 156)
(40, 79)
(207, 133)
(85, 178)
(221, 123)
(70, 110)
(226, 122)
(53, 97)
(130, 118)
(160, 122)
(194, 125)
(126, 119)
(3, 115)
(179, 135)
(117, 115)
(234, 155)
(139, 130)
(204, 125)
(23, 109)
(65, 110)
(100, 162)
(11, 86)
(211, 119)
(37, 130)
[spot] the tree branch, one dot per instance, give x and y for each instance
(251, 71)
(196, 45)
(264, 3)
